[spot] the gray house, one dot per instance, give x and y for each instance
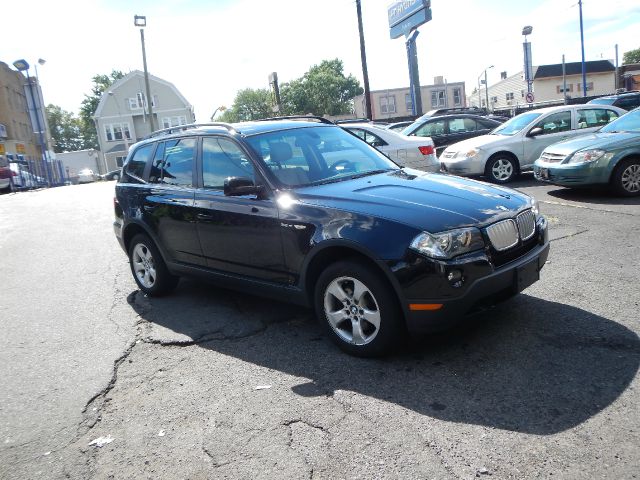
(121, 117)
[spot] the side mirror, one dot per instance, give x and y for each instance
(534, 132)
(237, 186)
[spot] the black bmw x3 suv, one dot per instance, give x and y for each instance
(303, 211)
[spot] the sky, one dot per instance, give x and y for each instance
(210, 49)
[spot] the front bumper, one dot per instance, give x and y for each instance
(571, 175)
(486, 286)
(462, 166)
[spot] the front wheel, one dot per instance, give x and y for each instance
(358, 308)
(500, 169)
(625, 180)
(148, 268)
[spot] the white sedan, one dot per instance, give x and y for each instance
(86, 175)
(413, 152)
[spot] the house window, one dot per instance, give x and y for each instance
(138, 102)
(457, 97)
(559, 88)
(509, 96)
(408, 103)
(438, 98)
(589, 86)
(388, 104)
(168, 122)
(115, 131)
(522, 92)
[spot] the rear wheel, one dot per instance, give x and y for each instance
(500, 169)
(358, 308)
(148, 268)
(625, 180)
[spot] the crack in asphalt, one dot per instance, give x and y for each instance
(569, 235)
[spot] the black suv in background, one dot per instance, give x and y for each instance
(306, 212)
(446, 130)
(628, 100)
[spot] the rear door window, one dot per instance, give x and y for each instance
(592, 117)
(176, 168)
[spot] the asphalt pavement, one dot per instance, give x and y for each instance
(99, 381)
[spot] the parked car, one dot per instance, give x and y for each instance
(5, 178)
(86, 175)
(399, 126)
(446, 130)
(23, 179)
(516, 144)
(112, 175)
(303, 211)
(626, 101)
(610, 156)
(406, 151)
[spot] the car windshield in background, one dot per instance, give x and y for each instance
(314, 155)
(516, 124)
(603, 101)
(626, 123)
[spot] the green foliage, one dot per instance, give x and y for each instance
(632, 56)
(65, 129)
(249, 104)
(324, 89)
(89, 105)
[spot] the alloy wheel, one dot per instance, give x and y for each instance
(502, 169)
(352, 310)
(630, 178)
(144, 266)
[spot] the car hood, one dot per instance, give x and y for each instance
(478, 142)
(431, 202)
(601, 140)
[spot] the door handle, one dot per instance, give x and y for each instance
(204, 216)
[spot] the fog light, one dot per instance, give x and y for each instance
(455, 278)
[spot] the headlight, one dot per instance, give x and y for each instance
(588, 156)
(448, 244)
(535, 207)
(468, 153)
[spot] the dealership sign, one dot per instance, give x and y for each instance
(407, 15)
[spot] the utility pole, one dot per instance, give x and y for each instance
(363, 58)
(584, 68)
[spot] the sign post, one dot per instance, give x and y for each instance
(404, 19)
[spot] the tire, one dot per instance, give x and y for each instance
(148, 268)
(349, 294)
(116, 177)
(500, 169)
(625, 180)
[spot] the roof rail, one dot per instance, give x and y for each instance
(169, 131)
(297, 117)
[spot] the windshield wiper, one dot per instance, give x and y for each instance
(370, 172)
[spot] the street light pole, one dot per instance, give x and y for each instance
(23, 66)
(141, 21)
(486, 87)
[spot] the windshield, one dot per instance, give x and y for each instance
(513, 126)
(629, 122)
(603, 101)
(314, 155)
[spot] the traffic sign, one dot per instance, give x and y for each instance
(530, 98)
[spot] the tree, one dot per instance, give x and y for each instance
(249, 104)
(65, 129)
(89, 105)
(632, 56)
(324, 89)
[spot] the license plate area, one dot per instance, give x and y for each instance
(526, 275)
(544, 173)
